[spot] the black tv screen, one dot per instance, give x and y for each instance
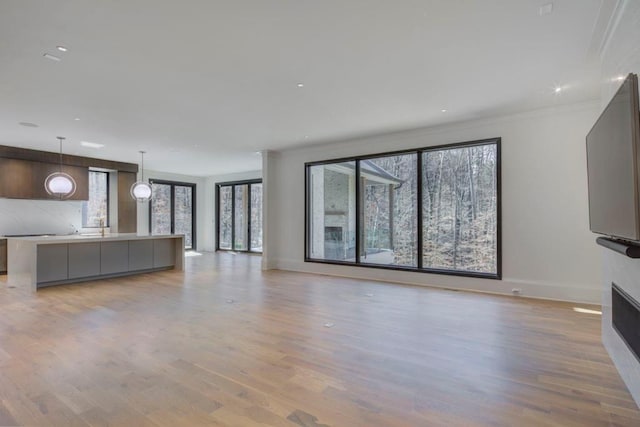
(613, 146)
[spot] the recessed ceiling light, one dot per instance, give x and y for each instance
(28, 124)
(545, 9)
(91, 144)
(257, 152)
(62, 48)
(618, 79)
(300, 85)
(77, 119)
(51, 57)
(558, 89)
(444, 110)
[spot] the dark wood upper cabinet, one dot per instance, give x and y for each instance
(8, 152)
(23, 172)
(24, 179)
(127, 206)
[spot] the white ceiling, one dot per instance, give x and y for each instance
(201, 84)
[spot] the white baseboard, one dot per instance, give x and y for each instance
(571, 292)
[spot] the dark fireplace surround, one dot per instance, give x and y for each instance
(625, 317)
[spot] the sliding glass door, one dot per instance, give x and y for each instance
(172, 210)
(239, 216)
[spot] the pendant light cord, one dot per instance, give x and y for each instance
(61, 138)
(142, 162)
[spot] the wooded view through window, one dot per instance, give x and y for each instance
(97, 207)
(460, 201)
(390, 206)
(172, 210)
(376, 222)
(239, 216)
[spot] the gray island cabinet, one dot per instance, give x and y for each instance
(37, 262)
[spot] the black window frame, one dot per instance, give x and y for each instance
(107, 219)
(233, 185)
(420, 250)
(173, 185)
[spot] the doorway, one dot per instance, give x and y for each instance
(173, 210)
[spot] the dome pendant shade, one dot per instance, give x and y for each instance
(141, 190)
(60, 184)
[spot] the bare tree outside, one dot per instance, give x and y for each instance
(160, 208)
(225, 220)
(239, 219)
(172, 210)
(97, 207)
(183, 213)
(256, 217)
(459, 209)
(390, 205)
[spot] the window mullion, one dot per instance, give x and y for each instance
(419, 208)
(358, 208)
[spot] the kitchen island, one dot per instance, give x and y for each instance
(42, 261)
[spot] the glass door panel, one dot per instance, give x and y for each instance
(160, 209)
(256, 217)
(172, 210)
(183, 213)
(240, 205)
(225, 220)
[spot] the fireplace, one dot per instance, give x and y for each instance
(621, 316)
(625, 317)
(333, 243)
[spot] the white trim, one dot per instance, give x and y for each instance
(571, 292)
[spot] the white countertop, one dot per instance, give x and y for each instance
(74, 238)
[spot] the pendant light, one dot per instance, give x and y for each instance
(60, 184)
(141, 190)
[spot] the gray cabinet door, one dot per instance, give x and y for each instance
(84, 260)
(114, 257)
(164, 253)
(140, 255)
(52, 263)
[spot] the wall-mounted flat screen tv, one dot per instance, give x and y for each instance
(613, 147)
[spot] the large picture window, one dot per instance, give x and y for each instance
(96, 209)
(435, 209)
(239, 216)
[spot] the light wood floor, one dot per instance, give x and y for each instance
(225, 344)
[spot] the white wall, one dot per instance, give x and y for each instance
(201, 220)
(548, 250)
(210, 213)
(19, 216)
(621, 55)
(269, 209)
